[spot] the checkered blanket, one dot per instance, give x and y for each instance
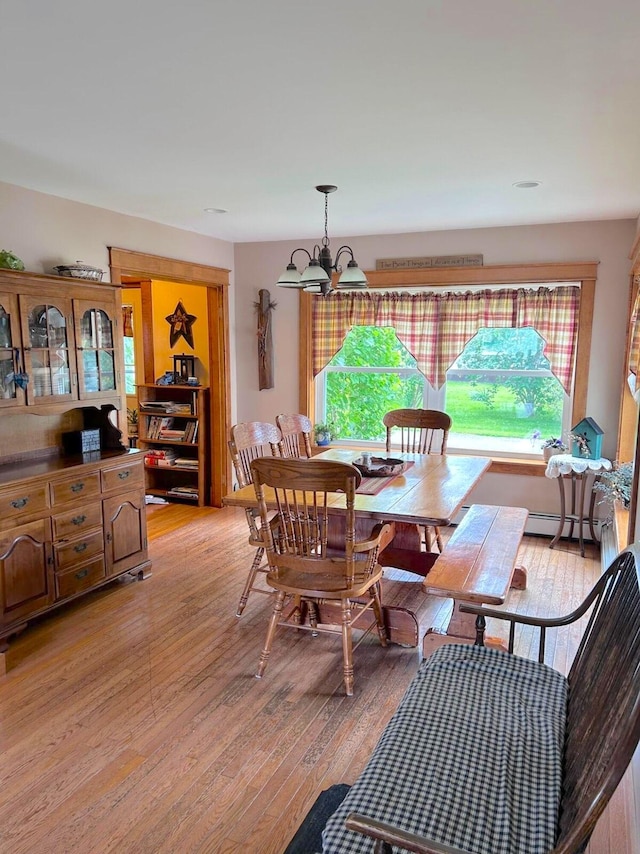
(471, 758)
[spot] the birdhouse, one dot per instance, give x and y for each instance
(586, 440)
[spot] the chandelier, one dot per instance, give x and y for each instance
(316, 278)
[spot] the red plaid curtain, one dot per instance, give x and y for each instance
(435, 328)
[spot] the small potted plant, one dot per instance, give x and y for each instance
(132, 422)
(553, 446)
(615, 485)
(323, 433)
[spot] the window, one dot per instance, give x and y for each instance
(327, 326)
(500, 392)
(129, 366)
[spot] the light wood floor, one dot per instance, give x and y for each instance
(131, 720)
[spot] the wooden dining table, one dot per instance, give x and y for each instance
(431, 491)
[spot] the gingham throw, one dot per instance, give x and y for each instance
(471, 758)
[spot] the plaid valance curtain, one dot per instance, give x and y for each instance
(435, 328)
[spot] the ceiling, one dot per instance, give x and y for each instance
(423, 112)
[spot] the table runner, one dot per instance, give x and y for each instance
(374, 485)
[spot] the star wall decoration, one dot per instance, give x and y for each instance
(181, 323)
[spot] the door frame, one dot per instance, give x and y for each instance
(125, 264)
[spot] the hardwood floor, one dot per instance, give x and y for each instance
(131, 720)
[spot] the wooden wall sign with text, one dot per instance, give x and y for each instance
(430, 261)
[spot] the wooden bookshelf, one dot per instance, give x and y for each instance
(173, 433)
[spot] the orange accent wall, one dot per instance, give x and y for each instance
(166, 296)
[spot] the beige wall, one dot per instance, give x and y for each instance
(45, 230)
(258, 265)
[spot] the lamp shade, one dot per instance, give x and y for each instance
(352, 278)
(314, 274)
(290, 278)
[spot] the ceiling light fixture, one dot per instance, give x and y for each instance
(216, 210)
(527, 185)
(316, 278)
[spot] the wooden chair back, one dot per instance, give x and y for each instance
(296, 435)
(250, 440)
(418, 431)
(302, 492)
(603, 715)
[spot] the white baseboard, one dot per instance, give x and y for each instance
(546, 525)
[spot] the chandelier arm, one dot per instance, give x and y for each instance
(300, 249)
(344, 248)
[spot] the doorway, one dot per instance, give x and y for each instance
(139, 270)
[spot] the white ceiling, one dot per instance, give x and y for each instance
(423, 112)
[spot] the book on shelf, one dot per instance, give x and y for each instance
(160, 452)
(187, 462)
(157, 424)
(153, 457)
(172, 435)
(183, 491)
(176, 407)
(191, 432)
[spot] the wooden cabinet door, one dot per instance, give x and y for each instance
(125, 531)
(95, 333)
(26, 572)
(11, 356)
(49, 349)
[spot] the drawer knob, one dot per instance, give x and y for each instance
(80, 547)
(123, 475)
(19, 502)
(77, 487)
(78, 520)
(82, 574)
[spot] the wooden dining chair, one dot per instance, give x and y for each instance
(296, 435)
(303, 568)
(250, 440)
(419, 431)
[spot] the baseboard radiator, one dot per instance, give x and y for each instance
(546, 525)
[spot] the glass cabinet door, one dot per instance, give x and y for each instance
(49, 350)
(11, 377)
(96, 353)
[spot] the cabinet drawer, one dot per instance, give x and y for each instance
(76, 580)
(70, 553)
(77, 521)
(75, 489)
(123, 476)
(23, 502)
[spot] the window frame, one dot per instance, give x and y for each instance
(584, 273)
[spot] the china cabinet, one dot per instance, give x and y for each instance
(58, 341)
(69, 522)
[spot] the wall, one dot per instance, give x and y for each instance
(45, 230)
(258, 265)
(165, 296)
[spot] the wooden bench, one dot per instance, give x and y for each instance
(477, 565)
(489, 752)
